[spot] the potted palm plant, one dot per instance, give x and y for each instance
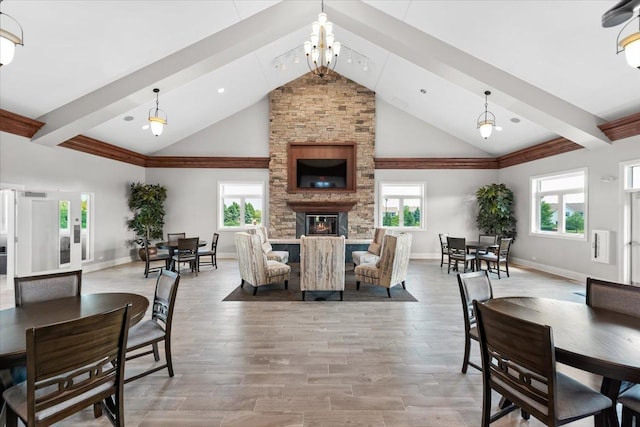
(146, 201)
(495, 210)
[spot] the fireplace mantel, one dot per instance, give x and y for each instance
(321, 207)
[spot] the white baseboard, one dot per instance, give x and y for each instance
(106, 264)
(427, 255)
(569, 274)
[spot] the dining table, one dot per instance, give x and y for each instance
(595, 340)
(479, 248)
(16, 320)
(172, 246)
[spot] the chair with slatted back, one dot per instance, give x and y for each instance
(172, 238)
(153, 257)
(473, 286)
(457, 247)
(70, 366)
(45, 287)
(444, 247)
(495, 259)
(157, 329)
(187, 252)
(518, 362)
(209, 252)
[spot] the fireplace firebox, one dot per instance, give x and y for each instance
(325, 224)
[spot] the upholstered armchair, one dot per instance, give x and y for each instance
(392, 267)
(322, 264)
(280, 256)
(372, 254)
(255, 268)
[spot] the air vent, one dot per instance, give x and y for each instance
(33, 194)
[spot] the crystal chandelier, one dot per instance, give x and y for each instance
(322, 50)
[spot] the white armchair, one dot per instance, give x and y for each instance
(393, 265)
(255, 268)
(280, 256)
(372, 254)
(322, 264)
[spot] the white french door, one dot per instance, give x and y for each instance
(634, 240)
(48, 232)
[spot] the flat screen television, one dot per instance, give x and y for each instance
(321, 173)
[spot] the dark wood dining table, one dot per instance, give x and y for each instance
(479, 248)
(14, 321)
(596, 340)
(173, 246)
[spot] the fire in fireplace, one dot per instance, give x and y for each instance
(324, 224)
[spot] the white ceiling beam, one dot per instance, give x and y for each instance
(179, 68)
(469, 72)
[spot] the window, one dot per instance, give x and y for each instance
(559, 204)
(86, 228)
(401, 205)
(241, 204)
(632, 176)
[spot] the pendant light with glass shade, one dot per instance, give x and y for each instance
(630, 44)
(9, 40)
(486, 120)
(157, 117)
(321, 49)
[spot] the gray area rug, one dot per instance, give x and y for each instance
(276, 292)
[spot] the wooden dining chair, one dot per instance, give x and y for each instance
(613, 296)
(46, 287)
(209, 252)
(157, 329)
(153, 258)
(444, 247)
(70, 366)
(172, 238)
(500, 257)
(187, 252)
(630, 401)
(476, 286)
(518, 362)
(458, 253)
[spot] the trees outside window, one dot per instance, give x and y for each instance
(242, 204)
(401, 205)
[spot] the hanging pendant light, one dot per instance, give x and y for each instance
(157, 117)
(9, 40)
(321, 49)
(486, 120)
(630, 45)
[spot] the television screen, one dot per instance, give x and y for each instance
(321, 173)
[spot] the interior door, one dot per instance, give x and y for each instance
(634, 243)
(48, 232)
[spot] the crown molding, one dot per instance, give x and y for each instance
(435, 163)
(622, 128)
(208, 162)
(102, 149)
(18, 125)
(540, 151)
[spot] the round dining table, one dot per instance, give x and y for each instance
(173, 246)
(14, 321)
(596, 340)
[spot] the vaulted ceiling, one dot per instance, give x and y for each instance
(86, 65)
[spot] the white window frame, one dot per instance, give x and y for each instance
(537, 194)
(89, 232)
(221, 196)
(422, 196)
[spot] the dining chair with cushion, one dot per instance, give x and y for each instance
(489, 239)
(444, 247)
(280, 256)
(372, 254)
(70, 366)
(322, 264)
(254, 266)
(518, 362)
(46, 287)
(209, 252)
(457, 252)
(501, 256)
(172, 238)
(157, 329)
(630, 401)
(474, 286)
(613, 296)
(154, 257)
(392, 267)
(187, 252)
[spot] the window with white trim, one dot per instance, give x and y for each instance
(559, 206)
(401, 205)
(632, 176)
(241, 204)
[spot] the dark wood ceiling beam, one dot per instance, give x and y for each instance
(102, 149)
(208, 162)
(540, 151)
(18, 125)
(622, 128)
(435, 163)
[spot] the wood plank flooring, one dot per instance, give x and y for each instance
(311, 364)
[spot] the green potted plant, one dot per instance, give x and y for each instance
(146, 201)
(495, 210)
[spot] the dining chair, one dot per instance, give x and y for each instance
(70, 366)
(630, 401)
(474, 286)
(489, 239)
(172, 238)
(150, 258)
(151, 332)
(501, 256)
(187, 252)
(457, 251)
(444, 247)
(613, 296)
(46, 287)
(518, 362)
(204, 252)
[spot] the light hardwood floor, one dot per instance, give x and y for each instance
(312, 364)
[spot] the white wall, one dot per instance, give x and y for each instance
(55, 168)
(568, 257)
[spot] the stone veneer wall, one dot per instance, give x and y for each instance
(315, 110)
